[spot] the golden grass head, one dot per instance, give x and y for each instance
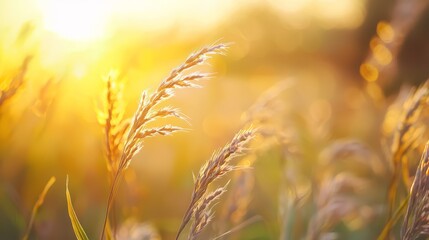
(202, 213)
(407, 133)
(416, 223)
(16, 83)
(217, 166)
(111, 118)
(146, 111)
(406, 137)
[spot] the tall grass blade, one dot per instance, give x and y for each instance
(393, 219)
(77, 227)
(37, 205)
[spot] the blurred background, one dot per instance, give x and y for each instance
(345, 62)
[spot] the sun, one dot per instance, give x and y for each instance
(79, 20)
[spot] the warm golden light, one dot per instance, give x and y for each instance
(385, 31)
(80, 20)
(136, 106)
(328, 13)
(369, 72)
(382, 54)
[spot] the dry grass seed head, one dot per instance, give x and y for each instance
(111, 117)
(15, 83)
(145, 111)
(202, 214)
(217, 166)
(219, 163)
(405, 138)
(335, 201)
(416, 222)
(407, 134)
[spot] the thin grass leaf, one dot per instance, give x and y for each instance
(239, 227)
(77, 227)
(37, 205)
(394, 219)
(109, 231)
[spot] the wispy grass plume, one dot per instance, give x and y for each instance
(405, 138)
(16, 83)
(334, 201)
(147, 112)
(217, 166)
(416, 222)
(111, 117)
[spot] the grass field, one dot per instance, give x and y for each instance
(214, 119)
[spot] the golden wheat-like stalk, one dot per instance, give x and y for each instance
(416, 222)
(266, 114)
(202, 214)
(111, 117)
(404, 139)
(15, 83)
(147, 112)
(260, 113)
(217, 166)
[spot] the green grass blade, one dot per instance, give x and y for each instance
(77, 228)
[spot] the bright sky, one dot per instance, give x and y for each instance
(83, 20)
(76, 19)
(89, 19)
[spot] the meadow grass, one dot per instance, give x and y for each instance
(297, 180)
(124, 140)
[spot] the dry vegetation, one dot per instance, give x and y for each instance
(309, 159)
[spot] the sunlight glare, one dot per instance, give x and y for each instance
(79, 20)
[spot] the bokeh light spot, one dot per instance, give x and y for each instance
(369, 72)
(382, 54)
(385, 32)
